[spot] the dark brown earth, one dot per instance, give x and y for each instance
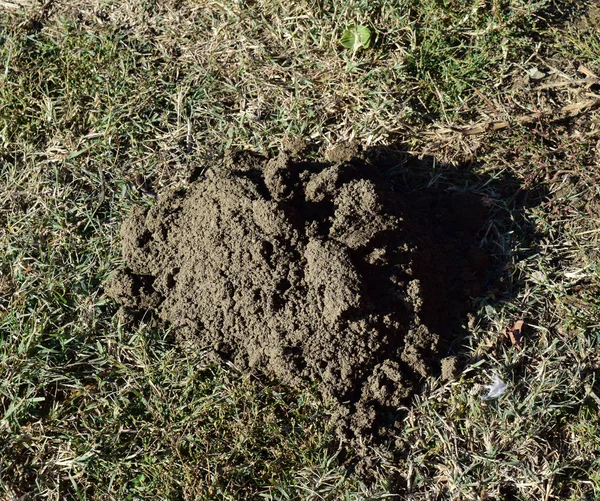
(310, 271)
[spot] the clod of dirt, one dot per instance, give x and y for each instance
(450, 368)
(301, 271)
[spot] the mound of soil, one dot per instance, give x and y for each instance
(303, 270)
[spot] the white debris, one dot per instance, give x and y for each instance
(536, 74)
(496, 389)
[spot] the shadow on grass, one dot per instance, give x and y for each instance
(465, 226)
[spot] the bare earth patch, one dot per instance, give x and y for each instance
(309, 271)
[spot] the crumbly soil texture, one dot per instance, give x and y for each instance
(309, 271)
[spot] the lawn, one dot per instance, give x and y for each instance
(500, 97)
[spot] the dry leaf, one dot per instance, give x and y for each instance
(516, 333)
(586, 72)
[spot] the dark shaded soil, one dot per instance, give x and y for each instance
(305, 270)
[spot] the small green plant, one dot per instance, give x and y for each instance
(356, 37)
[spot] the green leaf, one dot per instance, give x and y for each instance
(356, 37)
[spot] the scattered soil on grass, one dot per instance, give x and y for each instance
(305, 270)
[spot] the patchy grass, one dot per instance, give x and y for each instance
(93, 94)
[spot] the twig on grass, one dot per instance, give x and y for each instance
(440, 137)
(569, 110)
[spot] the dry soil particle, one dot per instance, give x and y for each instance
(298, 270)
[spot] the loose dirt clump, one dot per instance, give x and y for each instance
(303, 271)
